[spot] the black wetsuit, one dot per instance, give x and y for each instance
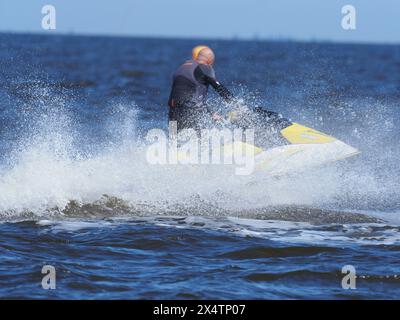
(187, 100)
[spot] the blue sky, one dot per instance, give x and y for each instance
(377, 20)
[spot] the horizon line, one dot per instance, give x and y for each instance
(189, 38)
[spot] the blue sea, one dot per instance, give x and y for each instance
(77, 194)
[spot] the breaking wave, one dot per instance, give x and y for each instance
(59, 167)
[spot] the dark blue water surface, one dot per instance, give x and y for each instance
(76, 193)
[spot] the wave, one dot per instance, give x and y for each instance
(110, 207)
(321, 276)
(56, 168)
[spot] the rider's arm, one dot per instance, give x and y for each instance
(206, 74)
(221, 90)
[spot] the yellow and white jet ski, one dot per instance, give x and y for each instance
(281, 146)
(287, 146)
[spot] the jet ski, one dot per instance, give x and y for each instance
(281, 146)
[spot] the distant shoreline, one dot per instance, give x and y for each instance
(197, 39)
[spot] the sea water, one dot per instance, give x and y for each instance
(77, 194)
